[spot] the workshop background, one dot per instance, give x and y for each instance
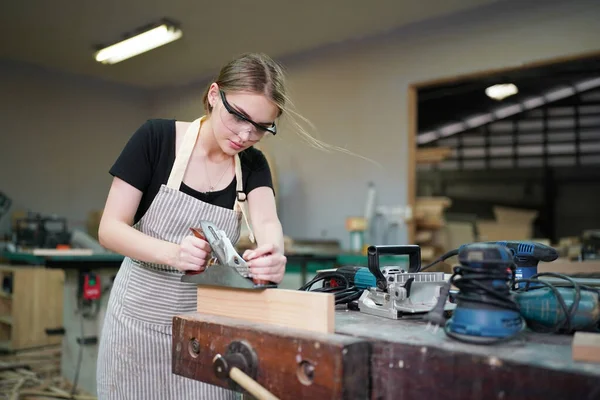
(352, 67)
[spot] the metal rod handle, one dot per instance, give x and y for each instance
(253, 387)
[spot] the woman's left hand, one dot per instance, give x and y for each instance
(266, 262)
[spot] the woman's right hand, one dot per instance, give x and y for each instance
(193, 254)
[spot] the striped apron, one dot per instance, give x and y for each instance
(134, 355)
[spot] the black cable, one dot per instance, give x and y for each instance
(566, 325)
(443, 257)
(343, 291)
(471, 289)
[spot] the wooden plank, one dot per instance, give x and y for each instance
(310, 311)
(63, 252)
(586, 347)
(432, 154)
(292, 363)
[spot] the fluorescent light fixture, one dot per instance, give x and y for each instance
(150, 39)
(502, 91)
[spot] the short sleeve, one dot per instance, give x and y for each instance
(258, 170)
(135, 163)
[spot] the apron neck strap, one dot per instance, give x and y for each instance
(240, 197)
(184, 153)
(181, 162)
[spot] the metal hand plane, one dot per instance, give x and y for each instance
(227, 268)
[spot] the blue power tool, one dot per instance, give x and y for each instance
(485, 311)
(526, 256)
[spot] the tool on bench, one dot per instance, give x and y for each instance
(558, 308)
(526, 254)
(485, 311)
(396, 294)
(227, 268)
(493, 306)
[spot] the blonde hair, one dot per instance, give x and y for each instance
(259, 73)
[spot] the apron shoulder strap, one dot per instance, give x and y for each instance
(183, 154)
(240, 196)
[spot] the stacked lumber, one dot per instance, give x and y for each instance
(430, 221)
(432, 155)
(35, 374)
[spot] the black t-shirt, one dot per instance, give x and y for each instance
(147, 159)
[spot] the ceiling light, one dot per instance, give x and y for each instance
(502, 91)
(150, 38)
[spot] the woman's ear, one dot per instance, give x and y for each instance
(213, 94)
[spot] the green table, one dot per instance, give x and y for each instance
(99, 260)
(303, 263)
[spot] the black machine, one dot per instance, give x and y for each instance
(37, 231)
(590, 245)
(5, 203)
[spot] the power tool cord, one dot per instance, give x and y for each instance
(504, 299)
(344, 292)
(566, 324)
(443, 257)
(470, 290)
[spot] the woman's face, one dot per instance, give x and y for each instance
(240, 119)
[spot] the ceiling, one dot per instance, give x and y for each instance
(62, 34)
(449, 103)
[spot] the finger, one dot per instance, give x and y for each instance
(197, 253)
(200, 244)
(261, 251)
(263, 262)
(262, 271)
(268, 277)
(193, 267)
(268, 261)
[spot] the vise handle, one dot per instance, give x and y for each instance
(238, 364)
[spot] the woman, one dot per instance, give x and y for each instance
(169, 177)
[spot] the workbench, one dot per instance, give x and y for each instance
(410, 362)
(369, 357)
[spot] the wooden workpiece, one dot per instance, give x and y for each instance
(310, 311)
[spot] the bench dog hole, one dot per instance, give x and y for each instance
(305, 372)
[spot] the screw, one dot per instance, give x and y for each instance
(195, 346)
(309, 370)
(235, 260)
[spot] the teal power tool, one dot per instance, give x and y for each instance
(485, 311)
(558, 308)
(348, 282)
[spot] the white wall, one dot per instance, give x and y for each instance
(357, 97)
(60, 135)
